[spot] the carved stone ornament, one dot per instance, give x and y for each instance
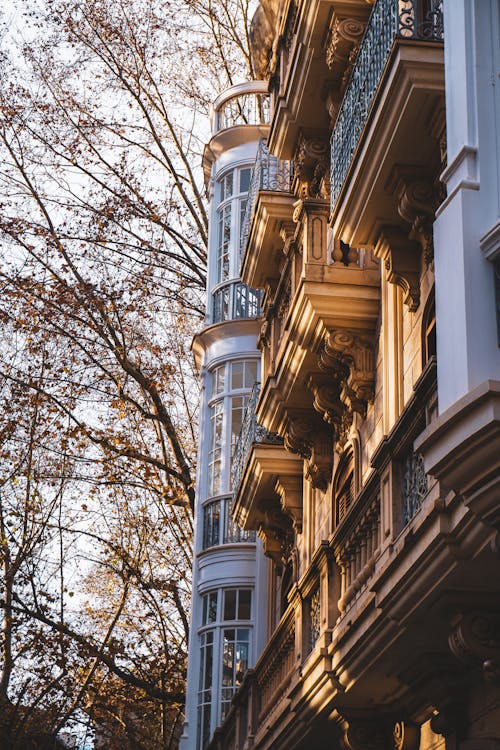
(406, 736)
(314, 444)
(345, 35)
(275, 532)
(416, 205)
(401, 257)
(311, 163)
(350, 359)
(475, 639)
(368, 734)
(290, 491)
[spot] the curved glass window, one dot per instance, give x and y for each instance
(219, 527)
(225, 652)
(235, 300)
(231, 388)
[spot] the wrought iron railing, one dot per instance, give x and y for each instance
(235, 300)
(414, 485)
(251, 432)
(244, 109)
(269, 173)
(389, 20)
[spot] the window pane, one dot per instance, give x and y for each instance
(218, 380)
(244, 604)
(251, 368)
(227, 186)
(237, 375)
(245, 179)
(212, 606)
(230, 604)
(211, 524)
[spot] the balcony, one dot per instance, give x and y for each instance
(388, 146)
(267, 483)
(390, 20)
(240, 114)
(270, 204)
(235, 301)
(251, 434)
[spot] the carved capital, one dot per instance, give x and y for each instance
(290, 491)
(311, 164)
(401, 256)
(475, 640)
(356, 353)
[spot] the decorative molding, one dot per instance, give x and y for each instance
(311, 163)
(275, 532)
(345, 36)
(314, 444)
(416, 205)
(406, 736)
(475, 640)
(290, 490)
(368, 734)
(401, 256)
(349, 362)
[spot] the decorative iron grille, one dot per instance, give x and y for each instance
(251, 432)
(269, 173)
(389, 20)
(413, 485)
(314, 618)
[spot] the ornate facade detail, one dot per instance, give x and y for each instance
(345, 35)
(416, 206)
(275, 533)
(343, 253)
(351, 361)
(368, 734)
(311, 166)
(290, 491)
(401, 257)
(406, 736)
(414, 486)
(314, 444)
(475, 639)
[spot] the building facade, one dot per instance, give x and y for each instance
(369, 460)
(229, 567)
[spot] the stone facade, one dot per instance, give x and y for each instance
(377, 503)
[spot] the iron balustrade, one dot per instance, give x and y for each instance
(235, 300)
(389, 20)
(269, 173)
(251, 432)
(244, 109)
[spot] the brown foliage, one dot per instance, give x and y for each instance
(104, 230)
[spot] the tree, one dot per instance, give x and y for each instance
(104, 231)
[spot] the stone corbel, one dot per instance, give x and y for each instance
(416, 206)
(287, 234)
(356, 353)
(368, 734)
(290, 491)
(475, 640)
(275, 532)
(311, 164)
(314, 444)
(401, 257)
